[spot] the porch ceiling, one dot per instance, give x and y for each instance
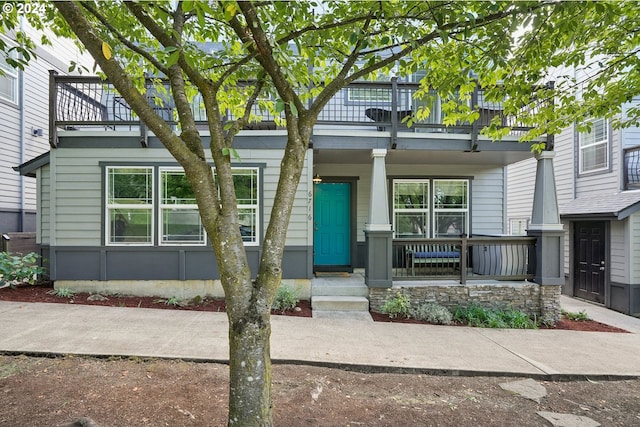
(406, 157)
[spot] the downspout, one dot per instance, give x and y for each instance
(21, 130)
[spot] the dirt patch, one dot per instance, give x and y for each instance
(135, 392)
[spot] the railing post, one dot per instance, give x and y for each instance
(53, 110)
(464, 248)
(475, 125)
(394, 112)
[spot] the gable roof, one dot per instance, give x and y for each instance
(616, 205)
(29, 167)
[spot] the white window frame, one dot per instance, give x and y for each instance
(255, 207)
(461, 210)
(110, 206)
(10, 76)
(589, 144)
(422, 210)
(164, 206)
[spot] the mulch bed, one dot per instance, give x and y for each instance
(42, 293)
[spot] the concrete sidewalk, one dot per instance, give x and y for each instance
(104, 331)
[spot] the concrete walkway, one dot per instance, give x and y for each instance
(93, 330)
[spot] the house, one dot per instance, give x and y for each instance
(415, 206)
(597, 176)
(25, 128)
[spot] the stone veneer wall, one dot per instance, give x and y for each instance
(539, 301)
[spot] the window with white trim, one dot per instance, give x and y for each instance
(450, 207)
(594, 147)
(417, 215)
(180, 221)
(129, 205)
(8, 80)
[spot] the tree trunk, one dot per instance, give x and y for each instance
(250, 369)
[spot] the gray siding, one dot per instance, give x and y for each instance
(618, 264)
(634, 248)
(631, 135)
(520, 188)
(43, 227)
(18, 142)
(487, 190)
(77, 220)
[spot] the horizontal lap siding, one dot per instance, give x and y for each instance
(487, 190)
(634, 270)
(618, 264)
(44, 218)
(79, 190)
(9, 157)
(521, 182)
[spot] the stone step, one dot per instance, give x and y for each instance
(339, 303)
(349, 290)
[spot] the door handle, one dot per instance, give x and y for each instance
(601, 268)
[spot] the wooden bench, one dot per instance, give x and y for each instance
(433, 255)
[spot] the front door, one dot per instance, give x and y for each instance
(332, 225)
(590, 260)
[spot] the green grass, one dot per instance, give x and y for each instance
(493, 318)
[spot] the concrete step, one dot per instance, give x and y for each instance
(364, 316)
(339, 303)
(349, 290)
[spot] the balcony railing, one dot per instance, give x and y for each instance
(89, 103)
(464, 259)
(632, 168)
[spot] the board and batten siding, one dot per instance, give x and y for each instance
(77, 214)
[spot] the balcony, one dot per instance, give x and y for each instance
(81, 103)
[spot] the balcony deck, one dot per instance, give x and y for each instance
(369, 114)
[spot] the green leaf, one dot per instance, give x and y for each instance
(173, 58)
(294, 110)
(279, 105)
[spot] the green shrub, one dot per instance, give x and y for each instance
(432, 313)
(16, 269)
(286, 299)
(493, 318)
(62, 292)
(579, 316)
(397, 306)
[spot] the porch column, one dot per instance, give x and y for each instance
(378, 235)
(546, 226)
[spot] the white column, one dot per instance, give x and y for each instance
(379, 201)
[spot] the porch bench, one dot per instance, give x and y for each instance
(435, 255)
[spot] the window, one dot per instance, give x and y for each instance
(450, 207)
(8, 80)
(129, 205)
(594, 147)
(246, 185)
(179, 217)
(417, 215)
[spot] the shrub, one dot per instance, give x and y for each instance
(62, 292)
(432, 313)
(493, 318)
(15, 269)
(397, 306)
(579, 316)
(286, 299)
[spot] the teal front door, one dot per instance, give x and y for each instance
(332, 224)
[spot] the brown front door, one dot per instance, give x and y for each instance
(590, 260)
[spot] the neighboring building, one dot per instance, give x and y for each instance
(598, 191)
(408, 205)
(24, 111)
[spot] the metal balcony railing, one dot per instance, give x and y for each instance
(464, 258)
(631, 168)
(89, 103)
